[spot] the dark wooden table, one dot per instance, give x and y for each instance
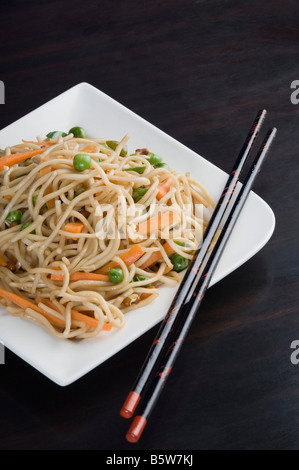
(199, 70)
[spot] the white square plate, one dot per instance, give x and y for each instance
(64, 361)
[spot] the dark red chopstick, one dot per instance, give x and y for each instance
(134, 395)
(190, 308)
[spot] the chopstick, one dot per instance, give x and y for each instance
(134, 395)
(190, 308)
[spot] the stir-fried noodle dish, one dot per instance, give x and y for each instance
(90, 230)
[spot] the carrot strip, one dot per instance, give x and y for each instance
(81, 277)
(144, 295)
(89, 149)
(24, 303)
(42, 142)
(156, 256)
(158, 222)
(89, 321)
(44, 171)
(10, 160)
(2, 261)
(74, 227)
(129, 257)
(163, 188)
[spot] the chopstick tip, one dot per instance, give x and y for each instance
(136, 429)
(130, 405)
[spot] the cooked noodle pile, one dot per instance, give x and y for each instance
(89, 231)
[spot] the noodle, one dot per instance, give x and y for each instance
(81, 246)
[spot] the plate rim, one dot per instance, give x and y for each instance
(62, 379)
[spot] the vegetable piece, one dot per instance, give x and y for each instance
(180, 243)
(2, 261)
(129, 257)
(156, 256)
(56, 134)
(116, 275)
(78, 132)
(45, 170)
(78, 276)
(34, 199)
(89, 321)
(163, 188)
(179, 262)
(158, 222)
(14, 216)
(24, 303)
(154, 159)
(162, 165)
(139, 278)
(13, 159)
(113, 144)
(82, 162)
(41, 142)
(89, 149)
(131, 299)
(138, 193)
(145, 295)
(27, 224)
(79, 191)
(74, 227)
(138, 169)
(78, 316)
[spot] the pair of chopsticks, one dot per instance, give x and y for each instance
(175, 326)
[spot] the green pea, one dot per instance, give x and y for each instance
(116, 275)
(27, 224)
(14, 216)
(138, 169)
(78, 192)
(113, 144)
(138, 193)
(162, 165)
(82, 161)
(34, 202)
(56, 134)
(78, 132)
(154, 159)
(179, 262)
(141, 278)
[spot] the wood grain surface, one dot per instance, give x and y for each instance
(199, 70)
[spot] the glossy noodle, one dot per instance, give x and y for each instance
(90, 231)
